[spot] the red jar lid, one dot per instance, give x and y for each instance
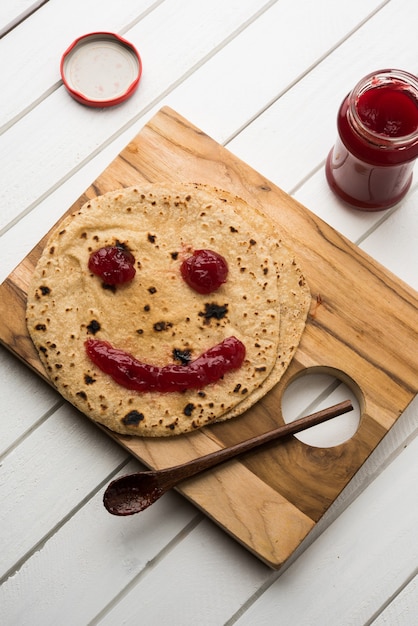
(101, 69)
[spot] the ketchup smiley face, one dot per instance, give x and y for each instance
(205, 271)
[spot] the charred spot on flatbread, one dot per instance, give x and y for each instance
(93, 327)
(133, 418)
(213, 311)
(182, 356)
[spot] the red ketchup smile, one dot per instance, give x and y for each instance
(205, 271)
(132, 374)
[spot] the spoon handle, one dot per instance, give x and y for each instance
(195, 466)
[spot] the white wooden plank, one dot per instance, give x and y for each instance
(10, 9)
(357, 563)
(309, 127)
(400, 234)
(203, 580)
(40, 70)
(355, 224)
(403, 610)
(24, 401)
(259, 67)
(395, 227)
(12, 12)
(48, 475)
(67, 582)
(38, 57)
(50, 147)
(186, 98)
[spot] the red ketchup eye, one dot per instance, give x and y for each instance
(114, 265)
(205, 271)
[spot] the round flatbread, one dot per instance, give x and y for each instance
(156, 316)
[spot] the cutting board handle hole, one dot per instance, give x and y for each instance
(314, 389)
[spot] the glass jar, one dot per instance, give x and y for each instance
(370, 166)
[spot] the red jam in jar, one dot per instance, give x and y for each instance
(370, 166)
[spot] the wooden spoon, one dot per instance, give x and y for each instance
(135, 492)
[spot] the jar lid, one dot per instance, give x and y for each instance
(101, 69)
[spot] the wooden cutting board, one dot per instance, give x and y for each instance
(362, 328)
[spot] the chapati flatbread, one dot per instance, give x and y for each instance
(265, 301)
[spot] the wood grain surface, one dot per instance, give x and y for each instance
(362, 328)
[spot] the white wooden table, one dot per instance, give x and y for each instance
(265, 78)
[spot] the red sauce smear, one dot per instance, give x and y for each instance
(114, 264)
(205, 271)
(132, 374)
